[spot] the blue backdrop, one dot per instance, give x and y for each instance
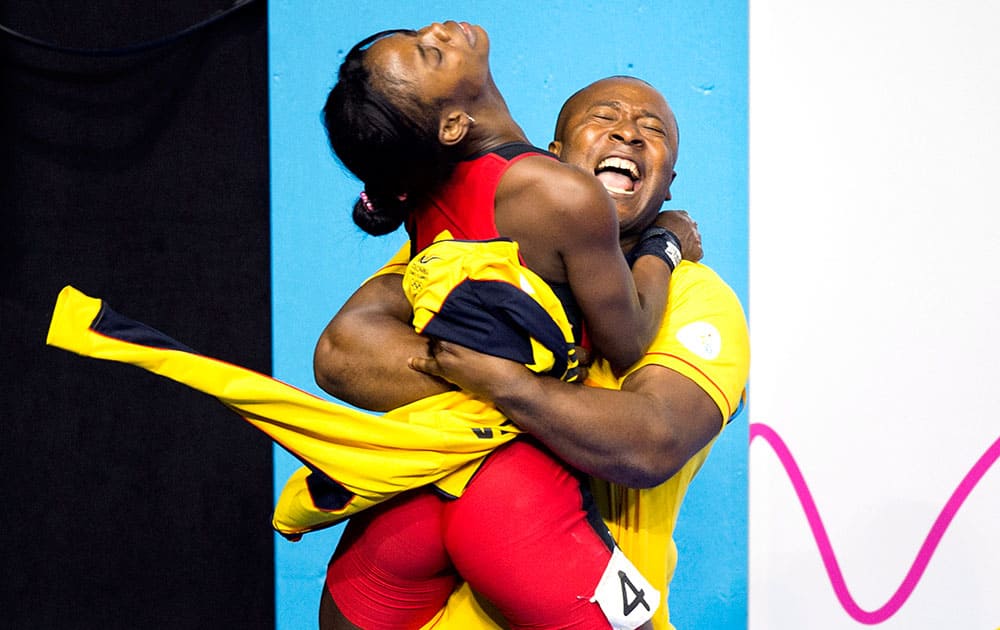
(695, 52)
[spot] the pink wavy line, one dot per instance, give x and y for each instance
(925, 553)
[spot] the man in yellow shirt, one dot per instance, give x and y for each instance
(645, 433)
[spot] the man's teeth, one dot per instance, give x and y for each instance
(619, 164)
(619, 191)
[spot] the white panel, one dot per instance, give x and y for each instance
(874, 250)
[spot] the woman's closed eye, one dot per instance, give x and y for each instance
(430, 54)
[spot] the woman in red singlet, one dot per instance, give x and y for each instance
(417, 117)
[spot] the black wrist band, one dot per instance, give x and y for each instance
(660, 242)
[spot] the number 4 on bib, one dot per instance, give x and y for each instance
(627, 599)
(630, 592)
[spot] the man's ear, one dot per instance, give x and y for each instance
(555, 147)
(454, 126)
(673, 176)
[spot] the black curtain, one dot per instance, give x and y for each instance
(138, 175)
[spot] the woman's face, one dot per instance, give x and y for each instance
(441, 63)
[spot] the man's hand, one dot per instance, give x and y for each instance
(686, 230)
(475, 372)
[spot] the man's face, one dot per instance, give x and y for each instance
(623, 131)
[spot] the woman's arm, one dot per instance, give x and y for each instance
(566, 222)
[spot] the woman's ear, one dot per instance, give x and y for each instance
(455, 125)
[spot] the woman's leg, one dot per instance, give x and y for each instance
(522, 535)
(390, 569)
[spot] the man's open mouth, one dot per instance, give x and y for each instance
(619, 175)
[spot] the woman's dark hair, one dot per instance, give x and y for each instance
(390, 145)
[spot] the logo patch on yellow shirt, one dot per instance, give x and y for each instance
(701, 338)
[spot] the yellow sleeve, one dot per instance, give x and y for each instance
(704, 336)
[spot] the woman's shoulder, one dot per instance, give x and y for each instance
(545, 179)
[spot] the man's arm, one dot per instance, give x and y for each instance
(638, 437)
(361, 356)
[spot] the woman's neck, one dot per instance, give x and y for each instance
(493, 137)
(493, 125)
